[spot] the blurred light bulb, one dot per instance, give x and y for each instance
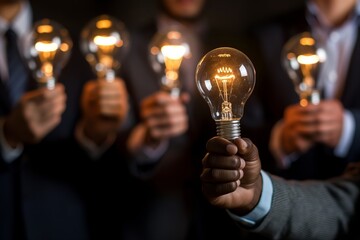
(104, 42)
(225, 77)
(167, 50)
(47, 50)
(301, 58)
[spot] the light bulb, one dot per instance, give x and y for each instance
(104, 42)
(47, 50)
(225, 77)
(301, 58)
(167, 50)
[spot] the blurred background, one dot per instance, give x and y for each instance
(225, 15)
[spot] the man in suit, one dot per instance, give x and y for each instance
(44, 165)
(273, 207)
(304, 139)
(162, 142)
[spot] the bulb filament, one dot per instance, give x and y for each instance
(173, 56)
(224, 81)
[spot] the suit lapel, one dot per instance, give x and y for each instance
(5, 103)
(352, 86)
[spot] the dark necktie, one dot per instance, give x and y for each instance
(17, 71)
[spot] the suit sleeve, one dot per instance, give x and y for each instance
(310, 209)
(354, 150)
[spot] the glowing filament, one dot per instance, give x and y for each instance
(173, 55)
(106, 46)
(308, 59)
(173, 52)
(46, 46)
(46, 52)
(105, 40)
(224, 81)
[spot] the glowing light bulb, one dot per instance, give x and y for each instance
(47, 50)
(104, 42)
(302, 58)
(167, 50)
(225, 77)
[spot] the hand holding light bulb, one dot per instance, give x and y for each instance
(47, 50)
(104, 42)
(312, 120)
(302, 59)
(225, 77)
(167, 50)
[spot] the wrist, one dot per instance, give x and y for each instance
(10, 137)
(92, 132)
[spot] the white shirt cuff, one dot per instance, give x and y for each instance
(9, 154)
(347, 135)
(263, 207)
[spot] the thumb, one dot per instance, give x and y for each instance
(249, 152)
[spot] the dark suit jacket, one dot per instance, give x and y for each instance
(177, 171)
(43, 192)
(274, 91)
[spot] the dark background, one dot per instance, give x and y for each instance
(231, 15)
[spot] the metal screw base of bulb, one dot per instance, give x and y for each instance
(48, 83)
(310, 98)
(228, 129)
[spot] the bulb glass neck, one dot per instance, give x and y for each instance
(312, 97)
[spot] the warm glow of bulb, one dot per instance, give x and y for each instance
(308, 59)
(224, 79)
(46, 46)
(44, 29)
(304, 102)
(47, 69)
(64, 47)
(105, 23)
(173, 55)
(174, 35)
(105, 40)
(173, 51)
(307, 41)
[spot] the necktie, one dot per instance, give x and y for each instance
(17, 71)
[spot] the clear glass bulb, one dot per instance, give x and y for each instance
(226, 77)
(302, 58)
(167, 50)
(104, 42)
(47, 50)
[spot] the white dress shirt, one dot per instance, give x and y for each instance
(339, 44)
(21, 24)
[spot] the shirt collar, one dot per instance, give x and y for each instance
(314, 15)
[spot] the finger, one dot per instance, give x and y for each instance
(213, 175)
(222, 162)
(218, 189)
(246, 149)
(185, 97)
(222, 146)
